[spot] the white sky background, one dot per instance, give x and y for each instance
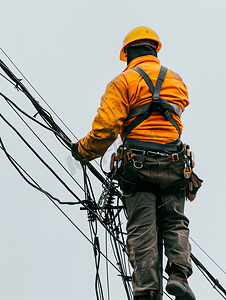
(69, 50)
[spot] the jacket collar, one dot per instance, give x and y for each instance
(141, 59)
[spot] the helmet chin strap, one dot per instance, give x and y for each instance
(135, 51)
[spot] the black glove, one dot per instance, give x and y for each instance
(75, 153)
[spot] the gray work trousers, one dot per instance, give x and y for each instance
(147, 213)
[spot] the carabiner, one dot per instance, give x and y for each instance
(137, 165)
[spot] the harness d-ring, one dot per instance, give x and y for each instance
(137, 165)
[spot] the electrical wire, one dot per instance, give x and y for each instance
(213, 285)
(215, 281)
(22, 171)
(13, 106)
(107, 271)
(207, 255)
(39, 157)
(45, 115)
(39, 94)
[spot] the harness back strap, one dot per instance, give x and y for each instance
(144, 111)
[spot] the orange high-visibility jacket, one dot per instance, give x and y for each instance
(125, 92)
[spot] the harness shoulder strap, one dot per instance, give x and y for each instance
(143, 112)
(146, 78)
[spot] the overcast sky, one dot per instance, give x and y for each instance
(69, 50)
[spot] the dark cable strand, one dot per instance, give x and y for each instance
(39, 157)
(117, 258)
(42, 112)
(207, 254)
(94, 238)
(38, 94)
(214, 280)
(12, 106)
(7, 79)
(35, 185)
(106, 262)
(93, 232)
(211, 283)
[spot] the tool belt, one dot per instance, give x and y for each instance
(163, 169)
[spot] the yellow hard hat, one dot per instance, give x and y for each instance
(139, 33)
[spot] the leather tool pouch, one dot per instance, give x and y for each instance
(194, 185)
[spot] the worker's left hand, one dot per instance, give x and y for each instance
(75, 153)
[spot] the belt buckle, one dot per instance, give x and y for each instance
(175, 157)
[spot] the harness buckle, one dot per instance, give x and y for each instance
(187, 173)
(175, 157)
(155, 99)
(187, 168)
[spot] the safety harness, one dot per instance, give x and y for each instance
(133, 152)
(144, 111)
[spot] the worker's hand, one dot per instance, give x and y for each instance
(75, 153)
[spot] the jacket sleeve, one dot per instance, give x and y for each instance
(108, 122)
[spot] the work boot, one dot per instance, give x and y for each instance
(151, 296)
(177, 285)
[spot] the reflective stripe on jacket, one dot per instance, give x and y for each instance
(125, 92)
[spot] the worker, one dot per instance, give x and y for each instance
(144, 104)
